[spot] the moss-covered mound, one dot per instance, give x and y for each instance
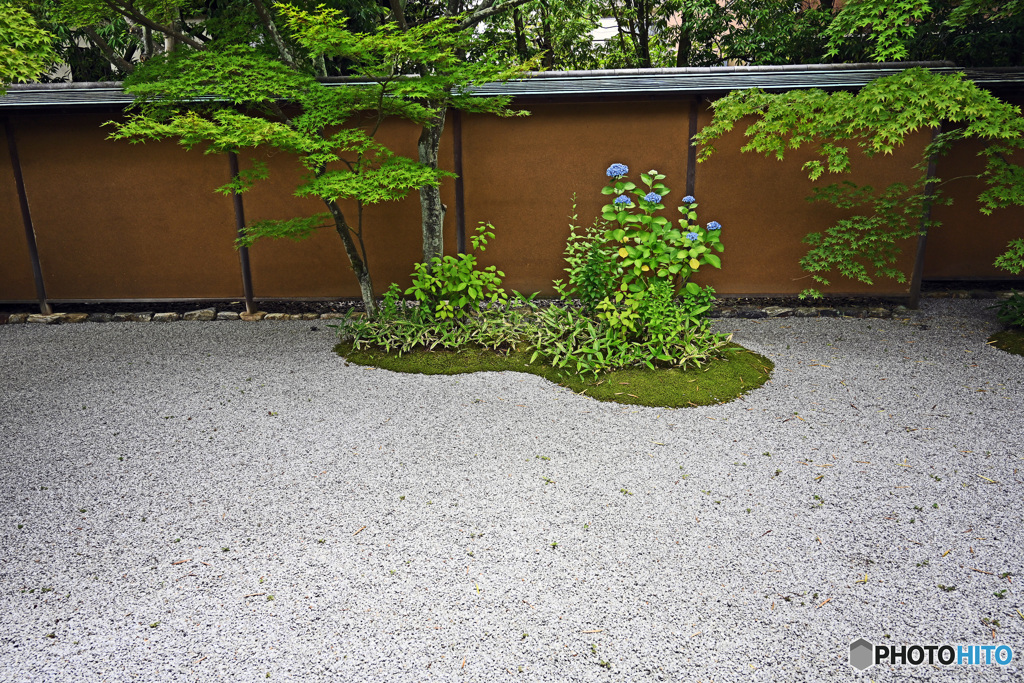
(1011, 341)
(738, 372)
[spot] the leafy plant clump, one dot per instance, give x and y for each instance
(1011, 311)
(629, 279)
(638, 310)
(453, 287)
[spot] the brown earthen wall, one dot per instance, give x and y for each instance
(318, 266)
(521, 173)
(967, 242)
(763, 208)
(16, 279)
(121, 221)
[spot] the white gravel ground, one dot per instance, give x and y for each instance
(230, 500)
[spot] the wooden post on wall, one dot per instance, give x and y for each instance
(460, 202)
(26, 217)
(243, 252)
(691, 152)
(914, 300)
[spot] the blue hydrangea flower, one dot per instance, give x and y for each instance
(616, 170)
(622, 199)
(689, 199)
(652, 197)
(692, 236)
(714, 225)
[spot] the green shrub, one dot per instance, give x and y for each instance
(453, 287)
(594, 271)
(1011, 311)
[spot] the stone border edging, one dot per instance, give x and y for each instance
(208, 314)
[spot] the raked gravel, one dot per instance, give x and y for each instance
(232, 501)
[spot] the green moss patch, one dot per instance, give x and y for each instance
(1011, 341)
(738, 372)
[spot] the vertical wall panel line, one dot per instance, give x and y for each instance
(917, 275)
(26, 217)
(243, 252)
(691, 151)
(460, 198)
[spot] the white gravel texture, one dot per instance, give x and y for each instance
(232, 501)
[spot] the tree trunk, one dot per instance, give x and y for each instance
(644, 29)
(517, 23)
(685, 43)
(431, 208)
(359, 266)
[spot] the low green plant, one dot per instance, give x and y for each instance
(453, 286)
(1011, 311)
(400, 328)
(593, 269)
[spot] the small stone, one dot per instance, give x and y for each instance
(17, 318)
(123, 317)
(165, 317)
(852, 311)
(75, 318)
(332, 316)
(981, 294)
(778, 312)
(901, 310)
(828, 313)
(258, 315)
(201, 314)
(1004, 295)
(276, 316)
(45, 318)
(99, 318)
(309, 316)
(227, 315)
(879, 312)
(295, 316)
(806, 312)
(750, 312)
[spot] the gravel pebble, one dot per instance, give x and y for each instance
(188, 502)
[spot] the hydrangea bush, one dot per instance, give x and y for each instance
(628, 274)
(651, 246)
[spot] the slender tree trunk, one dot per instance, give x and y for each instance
(431, 208)
(520, 30)
(359, 266)
(644, 29)
(548, 60)
(685, 45)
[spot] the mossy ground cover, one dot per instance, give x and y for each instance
(1011, 341)
(719, 381)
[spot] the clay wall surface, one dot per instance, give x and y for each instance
(120, 221)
